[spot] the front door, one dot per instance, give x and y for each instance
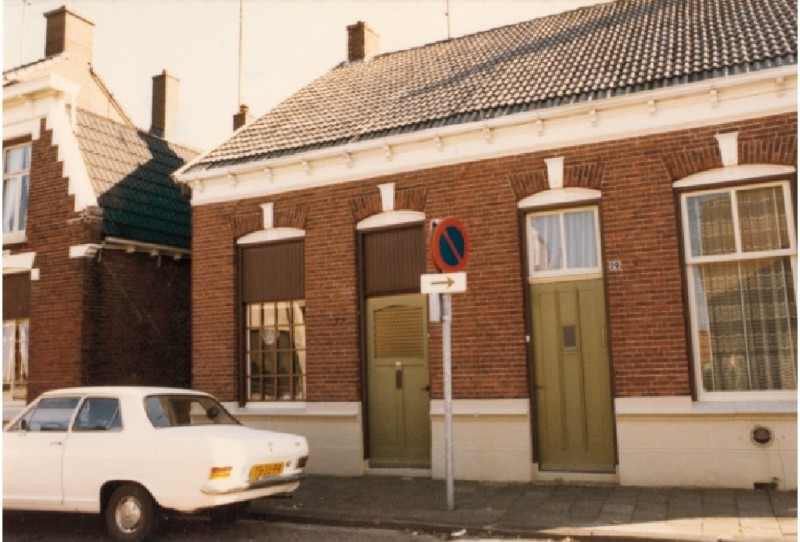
(398, 382)
(573, 388)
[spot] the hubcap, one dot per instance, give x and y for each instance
(128, 514)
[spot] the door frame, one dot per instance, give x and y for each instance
(526, 282)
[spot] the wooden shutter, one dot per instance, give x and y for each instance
(273, 272)
(16, 296)
(393, 260)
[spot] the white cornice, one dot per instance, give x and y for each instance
(729, 99)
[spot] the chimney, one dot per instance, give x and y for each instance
(362, 42)
(164, 117)
(242, 117)
(68, 32)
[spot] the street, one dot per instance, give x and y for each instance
(53, 527)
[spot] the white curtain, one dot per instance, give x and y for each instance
(581, 240)
(9, 342)
(546, 243)
(11, 189)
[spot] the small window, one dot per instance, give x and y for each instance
(16, 180)
(15, 359)
(741, 258)
(276, 351)
(563, 243)
(49, 414)
(99, 414)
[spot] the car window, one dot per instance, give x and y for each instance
(174, 410)
(49, 414)
(99, 414)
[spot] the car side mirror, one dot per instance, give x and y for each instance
(23, 425)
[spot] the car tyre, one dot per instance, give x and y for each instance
(130, 513)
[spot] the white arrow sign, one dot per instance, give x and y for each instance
(443, 283)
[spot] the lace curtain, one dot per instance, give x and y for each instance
(746, 309)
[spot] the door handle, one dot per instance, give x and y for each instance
(398, 376)
(426, 388)
(56, 443)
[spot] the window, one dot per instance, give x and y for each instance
(49, 414)
(276, 350)
(15, 359)
(741, 258)
(16, 178)
(563, 243)
(99, 414)
(186, 410)
(274, 322)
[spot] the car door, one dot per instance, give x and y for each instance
(95, 453)
(33, 450)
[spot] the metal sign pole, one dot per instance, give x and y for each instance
(448, 398)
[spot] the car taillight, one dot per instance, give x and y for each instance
(219, 472)
(301, 463)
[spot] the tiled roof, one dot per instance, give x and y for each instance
(130, 172)
(591, 53)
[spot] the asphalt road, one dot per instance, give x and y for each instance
(50, 527)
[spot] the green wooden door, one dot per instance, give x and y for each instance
(398, 382)
(573, 382)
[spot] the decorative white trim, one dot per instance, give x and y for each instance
(268, 215)
(387, 196)
(87, 250)
(733, 173)
(739, 97)
(483, 407)
(555, 172)
(558, 196)
(729, 148)
(269, 235)
(390, 218)
(18, 263)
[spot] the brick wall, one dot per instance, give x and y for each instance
(116, 318)
(639, 223)
(138, 325)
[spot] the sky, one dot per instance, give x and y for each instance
(286, 44)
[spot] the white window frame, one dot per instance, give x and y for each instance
(16, 236)
(691, 261)
(564, 273)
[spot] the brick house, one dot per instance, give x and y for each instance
(96, 235)
(627, 176)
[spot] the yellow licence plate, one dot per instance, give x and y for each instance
(266, 469)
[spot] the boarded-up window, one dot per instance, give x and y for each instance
(16, 296)
(273, 272)
(393, 260)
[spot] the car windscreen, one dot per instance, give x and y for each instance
(177, 410)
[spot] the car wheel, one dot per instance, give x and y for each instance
(130, 513)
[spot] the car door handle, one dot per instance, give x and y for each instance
(56, 443)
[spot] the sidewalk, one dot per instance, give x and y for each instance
(541, 511)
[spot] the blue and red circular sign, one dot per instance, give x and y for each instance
(450, 246)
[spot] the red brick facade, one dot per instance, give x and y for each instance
(640, 229)
(114, 318)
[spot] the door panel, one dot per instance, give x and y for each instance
(573, 384)
(398, 382)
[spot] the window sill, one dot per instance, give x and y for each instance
(684, 406)
(296, 409)
(14, 238)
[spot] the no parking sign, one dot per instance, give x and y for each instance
(449, 245)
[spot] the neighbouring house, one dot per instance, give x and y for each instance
(96, 234)
(626, 174)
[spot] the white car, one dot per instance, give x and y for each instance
(132, 452)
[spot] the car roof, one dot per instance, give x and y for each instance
(130, 391)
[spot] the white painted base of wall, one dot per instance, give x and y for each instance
(491, 440)
(672, 441)
(334, 431)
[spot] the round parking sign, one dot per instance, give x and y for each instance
(450, 246)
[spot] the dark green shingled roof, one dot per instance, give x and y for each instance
(130, 173)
